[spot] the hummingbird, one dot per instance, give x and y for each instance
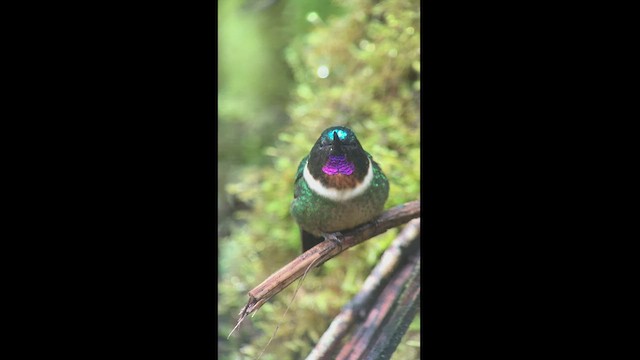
(338, 186)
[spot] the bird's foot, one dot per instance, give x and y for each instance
(376, 222)
(335, 237)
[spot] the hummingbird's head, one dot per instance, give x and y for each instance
(336, 155)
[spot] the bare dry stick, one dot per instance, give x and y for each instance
(399, 319)
(361, 303)
(388, 318)
(323, 252)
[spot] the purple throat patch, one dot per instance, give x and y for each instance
(338, 165)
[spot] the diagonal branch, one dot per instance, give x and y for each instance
(395, 257)
(325, 251)
(378, 336)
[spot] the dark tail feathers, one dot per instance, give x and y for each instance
(309, 241)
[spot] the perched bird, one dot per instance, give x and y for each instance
(338, 186)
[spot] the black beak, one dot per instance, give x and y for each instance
(337, 143)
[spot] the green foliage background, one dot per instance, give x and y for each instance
(272, 107)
